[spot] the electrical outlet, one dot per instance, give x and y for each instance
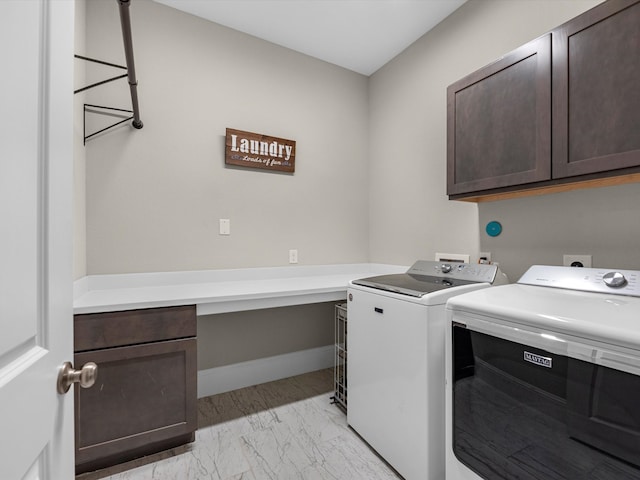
(293, 256)
(576, 260)
(225, 226)
(484, 257)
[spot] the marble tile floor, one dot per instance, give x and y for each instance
(281, 430)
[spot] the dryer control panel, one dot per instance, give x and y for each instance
(598, 280)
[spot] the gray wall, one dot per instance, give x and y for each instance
(154, 196)
(411, 216)
(602, 222)
(371, 167)
(242, 336)
(371, 174)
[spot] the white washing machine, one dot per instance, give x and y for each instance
(543, 378)
(395, 367)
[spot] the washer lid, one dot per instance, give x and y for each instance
(410, 284)
(426, 276)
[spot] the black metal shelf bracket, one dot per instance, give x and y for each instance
(125, 23)
(103, 81)
(99, 109)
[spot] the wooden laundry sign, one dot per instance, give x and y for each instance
(255, 150)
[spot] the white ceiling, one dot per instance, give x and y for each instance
(360, 35)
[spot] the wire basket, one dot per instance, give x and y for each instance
(340, 363)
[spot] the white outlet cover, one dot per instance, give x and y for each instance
(225, 226)
(585, 260)
(452, 257)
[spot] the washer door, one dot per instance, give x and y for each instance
(390, 401)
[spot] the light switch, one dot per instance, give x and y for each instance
(225, 226)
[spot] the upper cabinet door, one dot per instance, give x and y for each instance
(596, 90)
(499, 122)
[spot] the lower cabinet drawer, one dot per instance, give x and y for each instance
(94, 331)
(144, 401)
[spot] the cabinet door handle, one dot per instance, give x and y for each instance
(86, 376)
(378, 310)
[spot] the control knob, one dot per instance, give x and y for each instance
(446, 268)
(614, 279)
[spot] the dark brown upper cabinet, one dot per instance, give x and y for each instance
(596, 91)
(499, 122)
(561, 112)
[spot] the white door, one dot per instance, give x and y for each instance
(36, 159)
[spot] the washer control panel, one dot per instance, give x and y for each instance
(459, 271)
(599, 280)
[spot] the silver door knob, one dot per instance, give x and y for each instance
(86, 376)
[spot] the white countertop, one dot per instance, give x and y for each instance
(220, 291)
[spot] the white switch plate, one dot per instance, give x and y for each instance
(585, 260)
(225, 226)
(293, 256)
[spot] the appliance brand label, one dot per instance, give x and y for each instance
(538, 359)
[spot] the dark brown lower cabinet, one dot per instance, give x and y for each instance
(145, 397)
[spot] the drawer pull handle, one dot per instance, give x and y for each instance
(86, 376)
(378, 310)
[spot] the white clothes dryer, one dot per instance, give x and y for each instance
(543, 378)
(395, 366)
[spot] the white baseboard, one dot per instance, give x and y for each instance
(244, 374)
